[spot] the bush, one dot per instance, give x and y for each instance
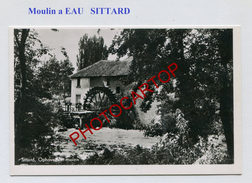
(64, 119)
(136, 155)
(167, 151)
(34, 135)
(169, 124)
(154, 130)
(174, 148)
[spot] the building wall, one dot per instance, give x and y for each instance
(82, 90)
(110, 82)
(149, 116)
(88, 83)
(97, 82)
(115, 82)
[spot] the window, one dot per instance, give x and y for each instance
(108, 82)
(118, 89)
(78, 102)
(78, 83)
(78, 99)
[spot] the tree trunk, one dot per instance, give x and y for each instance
(226, 92)
(20, 102)
(226, 115)
(226, 111)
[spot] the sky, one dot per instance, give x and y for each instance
(69, 38)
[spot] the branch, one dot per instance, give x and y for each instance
(25, 33)
(17, 39)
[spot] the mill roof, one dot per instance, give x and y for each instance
(105, 68)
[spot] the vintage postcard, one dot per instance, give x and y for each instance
(160, 100)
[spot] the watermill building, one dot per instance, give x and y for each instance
(97, 86)
(100, 75)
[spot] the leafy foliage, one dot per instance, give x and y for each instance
(91, 50)
(34, 116)
(167, 152)
(53, 77)
(154, 130)
(64, 119)
(203, 86)
(37, 134)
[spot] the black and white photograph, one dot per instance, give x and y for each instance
(125, 96)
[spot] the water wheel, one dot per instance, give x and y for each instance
(99, 99)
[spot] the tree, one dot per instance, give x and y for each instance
(210, 56)
(53, 76)
(91, 50)
(33, 119)
(225, 45)
(66, 69)
(19, 52)
(203, 84)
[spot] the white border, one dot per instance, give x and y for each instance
(235, 168)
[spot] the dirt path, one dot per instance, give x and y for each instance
(104, 138)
